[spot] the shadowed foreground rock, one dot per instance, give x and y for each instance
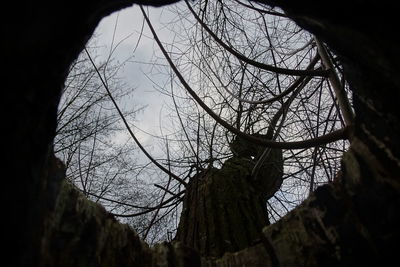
(351, 222)
(79, 232)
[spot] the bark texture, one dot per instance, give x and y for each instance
(224, 210)
(353, 221)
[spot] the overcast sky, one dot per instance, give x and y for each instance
(127, 25)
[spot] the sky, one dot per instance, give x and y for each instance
(121, 30)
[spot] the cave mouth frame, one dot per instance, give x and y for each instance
(369, 179)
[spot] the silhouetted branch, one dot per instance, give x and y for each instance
(129, 129)
(331, 137)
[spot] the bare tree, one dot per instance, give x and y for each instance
(237, 71)
(240, 70)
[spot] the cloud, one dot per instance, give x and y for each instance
(120, 33)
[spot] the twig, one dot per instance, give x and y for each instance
(129, 128)
(328, 138)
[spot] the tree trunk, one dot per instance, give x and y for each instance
(224, 210)
(353, 221)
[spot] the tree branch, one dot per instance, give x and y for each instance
(344, 103)
(331, 137)
(254, 63)
(129, 128)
